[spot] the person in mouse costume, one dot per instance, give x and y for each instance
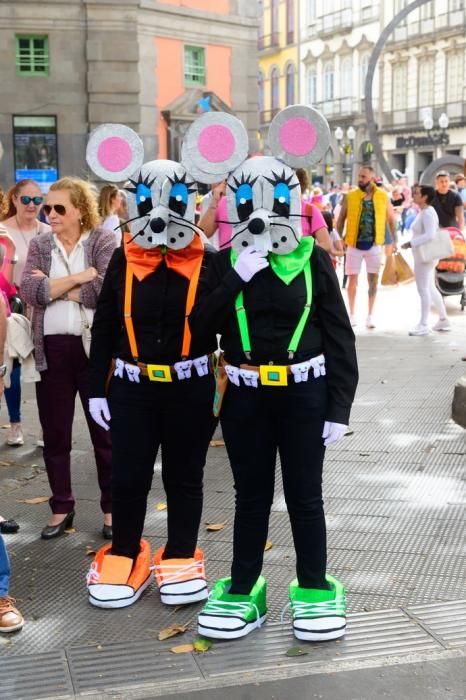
(151, 379)
(290, 360)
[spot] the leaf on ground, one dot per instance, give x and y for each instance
(200, 644)
(35, 501)
(182, 649)
(217, 443)
(6, 426)
(90, 551)
(268, 545)
(69, 530)
(349, 432)
(161, 506)
(297, 651)
(6, 463)
(214, 527)
(171, 631)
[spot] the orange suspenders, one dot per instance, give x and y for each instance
(191, 296)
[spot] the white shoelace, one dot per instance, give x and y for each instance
(317, 609)
(220, 607)
(93, 574)
(173, 573)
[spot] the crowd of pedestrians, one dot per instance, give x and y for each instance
(55, 250)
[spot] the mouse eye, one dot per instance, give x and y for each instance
(244, 203)
(143, 199)
(281, 199)
(178, 200)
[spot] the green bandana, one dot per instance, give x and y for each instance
(288, 266)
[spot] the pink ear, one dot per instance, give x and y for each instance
(298, 136)
(114, 154)
(216, 143)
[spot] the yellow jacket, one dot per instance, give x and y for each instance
(354, 207)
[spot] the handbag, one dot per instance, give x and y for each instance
(439, 247)
(389, 276)
(403, 270)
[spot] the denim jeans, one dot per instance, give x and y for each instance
(13, 394)
(4, 569)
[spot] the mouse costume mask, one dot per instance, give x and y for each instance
(263, 194)
(161, 193)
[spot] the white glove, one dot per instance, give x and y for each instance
(333, 432)
(98, 408)
(249, 262)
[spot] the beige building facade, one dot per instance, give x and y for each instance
(66, 67)
(420, 79)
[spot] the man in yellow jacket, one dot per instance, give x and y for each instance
(366, 210)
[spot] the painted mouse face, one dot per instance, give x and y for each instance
(263, 193)
(161, 193)
(264, 206)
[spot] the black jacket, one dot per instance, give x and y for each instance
(274, 309)
(158, 313)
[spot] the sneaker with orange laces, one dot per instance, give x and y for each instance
(116, 582)
(11, 619)
(181, 581)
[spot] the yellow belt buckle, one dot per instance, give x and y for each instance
(159, 373)
(273, 375)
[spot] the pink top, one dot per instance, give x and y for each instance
(7, 290)
(224, 230)
(317, 220)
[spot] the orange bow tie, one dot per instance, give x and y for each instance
(144, 262)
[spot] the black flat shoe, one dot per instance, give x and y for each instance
(9, 527)
(107, 532)
(51, 531)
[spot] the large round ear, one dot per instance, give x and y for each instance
(299, 136)
(214, 145)
(114, 152)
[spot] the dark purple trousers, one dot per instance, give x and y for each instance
(66, 375)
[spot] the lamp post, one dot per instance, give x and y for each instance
(442, 138)
(346, 148)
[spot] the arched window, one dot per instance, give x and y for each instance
(290, 85)
(275, 91)
(274, 22)
(289, 21)
(363, 67)
(329, 81)
(260, 95)
(346, 73)
(311, 86)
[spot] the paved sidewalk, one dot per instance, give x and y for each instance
(394, 501)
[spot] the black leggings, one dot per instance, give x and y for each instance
(177, 417)
(256, 423)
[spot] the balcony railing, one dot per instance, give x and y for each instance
(445, 22)
(268, 41)
(341, 107)
(334, 21)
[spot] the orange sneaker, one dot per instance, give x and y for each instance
(116, 582)
(181, 581)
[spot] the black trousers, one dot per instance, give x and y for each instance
(256, 423)
(177, 417)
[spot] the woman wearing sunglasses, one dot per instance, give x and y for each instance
(20, 219)
(62, 280)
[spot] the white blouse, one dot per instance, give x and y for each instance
(64, 317)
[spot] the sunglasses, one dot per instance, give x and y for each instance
(59, 208)
(25, 199)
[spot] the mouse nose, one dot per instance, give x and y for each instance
(256, 226)
(157, 225)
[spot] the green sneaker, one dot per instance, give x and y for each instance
(318, 615)
(231, 615)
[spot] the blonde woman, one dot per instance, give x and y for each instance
(110, 201)
(62, 281)
(20, 213)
